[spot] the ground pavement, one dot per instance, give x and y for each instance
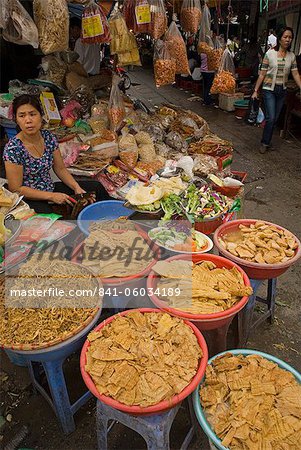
(272, 193)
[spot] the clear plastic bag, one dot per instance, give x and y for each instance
(191, 15)
(158, 17)
(20, 28)
(177, 49)
(227, 63)
(95, 27)
(205, 24)
(164, 65)
(116, 110)
(52, 20)
(224, 82)
(137, 15)
(120, 37)
(4, 13)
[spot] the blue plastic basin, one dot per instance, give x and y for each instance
(105, 210)
(199, 412)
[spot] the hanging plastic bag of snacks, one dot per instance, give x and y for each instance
(52, 20)
(177, 49)
(164, 65)
(224, 81)
(206, 45)
(158, 18)
(191, 15)
(116, 110)
(4, 13)
(120, 41)
(137, 15)
(20, 28)
(95, 28)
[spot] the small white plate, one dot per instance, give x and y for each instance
(206, 250)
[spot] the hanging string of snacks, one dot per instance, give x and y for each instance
(137, 15)
(177, 49)
(164, 65)
(95, 28)
(158, 18)
(191, 14)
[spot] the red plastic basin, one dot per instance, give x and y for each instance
(253, 270)
(165, 405)
(202, 321)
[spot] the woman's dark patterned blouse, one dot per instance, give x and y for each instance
(36, 171)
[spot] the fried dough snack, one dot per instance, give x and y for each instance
(143, 359)
(204, 288)
(251, 403)
(261, 243)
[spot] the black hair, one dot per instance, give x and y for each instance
(27, 99)
(280, 33)
(75, 22)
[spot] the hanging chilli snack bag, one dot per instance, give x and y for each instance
(20, 28)
(224, 81)
(190, 16)
(137, 15)
(164, 65)
(95, 28)
(52, 20)
(116, 110)
(158, 19)
(177, 49)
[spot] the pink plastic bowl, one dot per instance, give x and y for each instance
(253, 270)
(159, 407)
(202, 321)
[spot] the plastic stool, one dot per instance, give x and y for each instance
(52, 359)
(245, 323)
(154, 429)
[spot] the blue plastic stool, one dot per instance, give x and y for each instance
(154, 429)
(245, 323)
(52, 360)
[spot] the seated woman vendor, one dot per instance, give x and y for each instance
(30, 156)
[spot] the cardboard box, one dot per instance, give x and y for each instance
(50, 108)
(226, 101)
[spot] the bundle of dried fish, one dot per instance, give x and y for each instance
(251, 403)
(143, 359)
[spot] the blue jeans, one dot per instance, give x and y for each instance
(273, 102)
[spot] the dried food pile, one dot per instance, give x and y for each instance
(143, 359)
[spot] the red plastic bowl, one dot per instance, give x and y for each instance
(254, 270)
(77, 258)
(165, 405)
(202, 321)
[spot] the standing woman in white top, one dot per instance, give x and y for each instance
(277, 64)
